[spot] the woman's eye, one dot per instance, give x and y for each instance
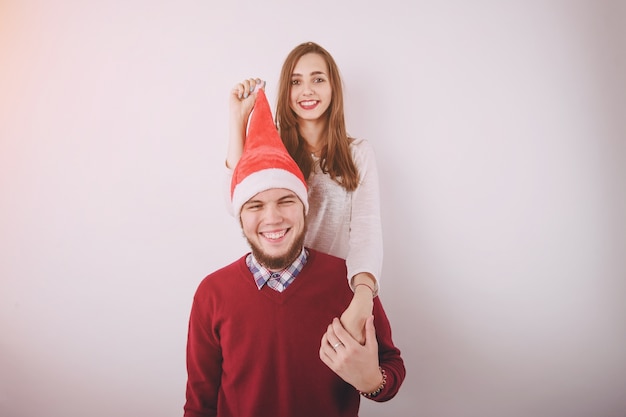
(295, 82)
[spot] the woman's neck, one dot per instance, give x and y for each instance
(312, 133)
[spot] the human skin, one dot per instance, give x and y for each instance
(273, 223)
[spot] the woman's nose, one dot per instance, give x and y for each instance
(307, 88)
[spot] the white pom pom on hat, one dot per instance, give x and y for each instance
(265, 162)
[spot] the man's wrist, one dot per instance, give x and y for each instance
(379, 389)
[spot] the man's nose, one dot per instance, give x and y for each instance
(273, 214)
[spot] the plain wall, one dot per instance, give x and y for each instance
(500, 135)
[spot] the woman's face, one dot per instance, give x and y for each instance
(310, 91)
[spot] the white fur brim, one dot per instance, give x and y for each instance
(267, 179)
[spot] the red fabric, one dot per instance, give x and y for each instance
(263, 147)
(255, 353)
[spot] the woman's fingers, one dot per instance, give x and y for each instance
(247, 87)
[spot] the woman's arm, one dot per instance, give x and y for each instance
(360, 308)
(366, 237)
(364, 260)
(241, 103)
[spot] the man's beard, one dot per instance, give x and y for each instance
(280, 262)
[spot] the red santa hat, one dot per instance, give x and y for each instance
(265, 162)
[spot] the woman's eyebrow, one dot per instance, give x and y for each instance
(296, 74)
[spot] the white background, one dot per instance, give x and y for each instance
(500, 136)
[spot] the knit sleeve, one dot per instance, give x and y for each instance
(388, 355)
(204, 358)
(366, 241)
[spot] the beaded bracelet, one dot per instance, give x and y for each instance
(380, 388)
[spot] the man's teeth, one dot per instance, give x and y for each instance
(274, 235)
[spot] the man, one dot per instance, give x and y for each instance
(256, 325)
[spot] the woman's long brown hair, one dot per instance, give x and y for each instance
(335, 158)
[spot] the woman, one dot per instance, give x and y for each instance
(344, 214)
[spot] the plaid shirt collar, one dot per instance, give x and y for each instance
(276, 280)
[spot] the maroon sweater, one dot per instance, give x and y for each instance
(255, 353)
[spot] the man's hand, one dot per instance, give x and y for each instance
(355, 363)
